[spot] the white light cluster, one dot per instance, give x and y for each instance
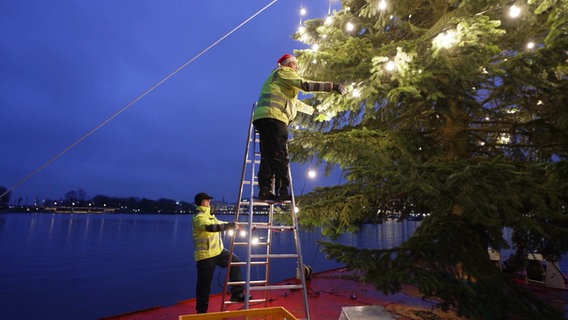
(446, 39)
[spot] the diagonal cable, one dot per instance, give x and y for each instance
(166, 78)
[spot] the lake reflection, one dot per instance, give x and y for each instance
(88, 266)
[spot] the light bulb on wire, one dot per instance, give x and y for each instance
(514, 11)
(382, 5)
(530, 45)
(312, 174)
(356, 93)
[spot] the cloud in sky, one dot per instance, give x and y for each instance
(67, 66)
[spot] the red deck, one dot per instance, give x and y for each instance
(328, 292)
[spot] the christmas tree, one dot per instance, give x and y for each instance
(458, 109)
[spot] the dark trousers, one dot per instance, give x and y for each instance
(205, 270)
(273, 155)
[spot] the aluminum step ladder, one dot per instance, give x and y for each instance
(256, 234)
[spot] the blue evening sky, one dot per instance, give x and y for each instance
(68, 65)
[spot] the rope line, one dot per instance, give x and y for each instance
(72, 145)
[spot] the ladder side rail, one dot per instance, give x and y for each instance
(238, 208)
(268, 251)
(252, 145)
(301, 272)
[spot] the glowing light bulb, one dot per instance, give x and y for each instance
(312, 174)
(242, 233)
(356, 93)
(514, 11)
(255, 240)
(301, 29)
(349, 26)
(382, 5)
(231, 232)
(315, 47)
(390, 66)
(303, 11)
(530, 45)
(328, 20)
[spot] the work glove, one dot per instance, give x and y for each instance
(231, 226)
(339, 88)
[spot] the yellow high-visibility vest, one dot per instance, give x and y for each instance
(205, 244)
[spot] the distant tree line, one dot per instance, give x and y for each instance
(78, 199)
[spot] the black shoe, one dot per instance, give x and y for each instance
(239, 297)
(283, 197)
(266, 196)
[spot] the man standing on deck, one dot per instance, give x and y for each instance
(277, 106)
(210, 252)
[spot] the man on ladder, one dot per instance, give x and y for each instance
(209, 252)
(277, 106)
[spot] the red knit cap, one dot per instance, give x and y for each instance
(285, 59)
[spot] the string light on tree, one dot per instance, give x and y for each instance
(530, 45)
(504, 138)
(356, 93)
(382, 5)
(312, 174)
(349, 27)
(446, 39)
(514, 11)
(390, 66)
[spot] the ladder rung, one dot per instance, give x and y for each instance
(251, 301)
(276, 255)
(281, 228)
(257, 202)
(255, 244)
(242, 283)
(244, 263)
(277, 287)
